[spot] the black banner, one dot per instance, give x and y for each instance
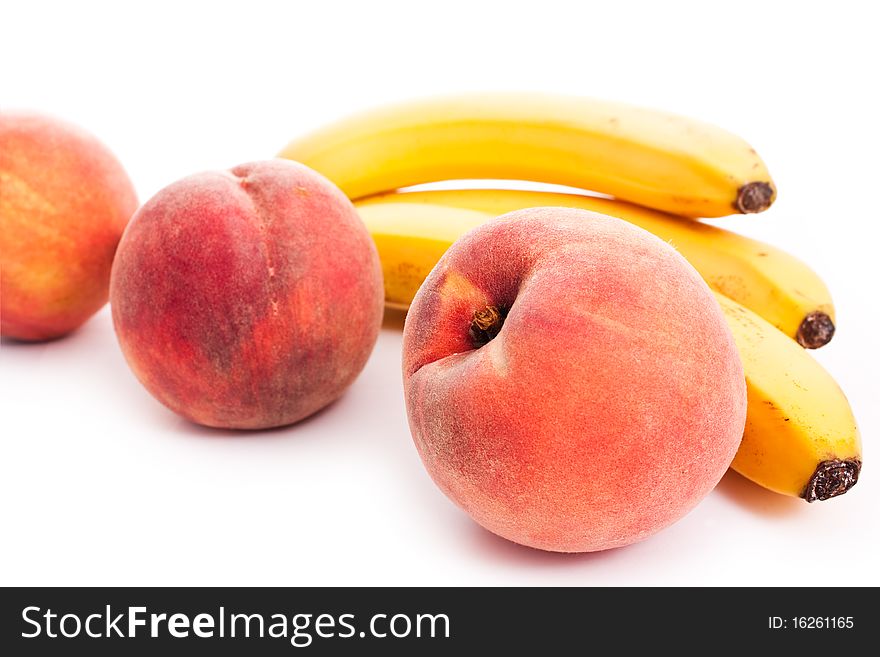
(429, 621)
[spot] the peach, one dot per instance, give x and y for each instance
(248, 298)
(64, 202)
(570, 381)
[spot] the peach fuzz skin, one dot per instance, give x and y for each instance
(249, 298)
(64, 202)
(609, 404)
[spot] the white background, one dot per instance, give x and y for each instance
(99, 484)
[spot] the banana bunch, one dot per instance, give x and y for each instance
(663, 171)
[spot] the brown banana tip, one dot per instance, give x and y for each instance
(815, 331)
(832, 478)
(754, 197)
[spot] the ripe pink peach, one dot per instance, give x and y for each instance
(248, 298)
(64, 202)
(570, 380)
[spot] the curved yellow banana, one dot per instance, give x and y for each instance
(767, 280)
(652, 158)
(800, 436)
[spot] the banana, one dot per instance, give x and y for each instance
(800, 437)
(652, 158)
(774, 284)
(411, 238)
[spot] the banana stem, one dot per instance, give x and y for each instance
(832, 478)
(754, 197)
(815, 331)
